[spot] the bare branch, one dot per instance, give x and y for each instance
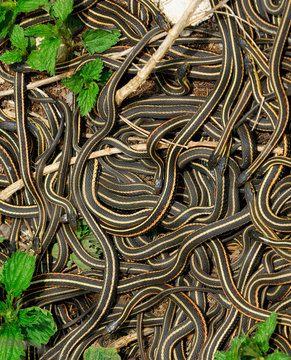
(18, 185)
(38, 83)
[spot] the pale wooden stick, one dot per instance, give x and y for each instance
(125, 340)
(173, 34)
(259, 113)
(38, 83)
(18, 185)
(147, 133)
(143, 74)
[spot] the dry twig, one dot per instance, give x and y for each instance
(144, 73)
(125, 340)
(38, 83)
(173, 34)
(18, 185)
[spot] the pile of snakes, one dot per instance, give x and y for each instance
(213, 175)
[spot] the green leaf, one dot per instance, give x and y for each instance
(105, 76)
(31, 44)
(236, 344)
(6, 23)
(74, 83)
(221, 355)
(82, 230)
(278, 355)
(87, 98)
(264, 332)
(37, 325)
(251, 348)
(11, 346)
(16, 36)
(92, 70)
(100, 353)
(234, 352)
(46, 30)
(10, 57)
(7, 5)
(100, 40)
(74, 259)
(2, 14)
(91, 245)
(45, 57)
(30, 5)
(2, 238)
(55, 251)
(2, 307)
(62, 8)
(17, 273)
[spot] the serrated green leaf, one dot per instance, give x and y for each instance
(11, 346)
(264, 332)
(221, 355)
(74, 83)
(30, 5)
(37, 325)
(100, 353)
(45, 57)
(16, 36)
(2, 238)
(87, 98)
(46, 30)
(35, 60)
(100, 40)
(17, 273)
(278, 355)
(234, 352)
(62, 9)
(91, 70)
(5, 24)
(13, 56)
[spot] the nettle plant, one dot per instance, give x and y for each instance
(256, 347)
(43, 45)
(21, 327)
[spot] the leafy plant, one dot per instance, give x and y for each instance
(33, 325)
(100, 40)
(89, 243)
(43, 58)
(55, 45)
(86, 81)
(82, 229)
(254, 348)
(100, 353)
(21, 46)
(9, 9)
